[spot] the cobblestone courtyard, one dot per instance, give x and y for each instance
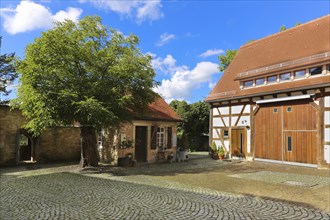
(137, 193)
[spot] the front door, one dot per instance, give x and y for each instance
(141, 143)
(238, 142)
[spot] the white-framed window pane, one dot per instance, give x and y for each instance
(285, 76)
(260, 81)
(271, 79)
(248, 83)
(315, 70)
(299, 74)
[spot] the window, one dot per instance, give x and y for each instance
(328, 68)
(289, 109)
(315, 70)
(160, 140)
(285, 76)
(289, 143)
(225, 133)
(271, 79)
(299, 74)
(248, 83)
(260, 81)
(275, 110)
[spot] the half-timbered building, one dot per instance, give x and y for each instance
(273, 101)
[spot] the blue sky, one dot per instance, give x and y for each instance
(184, 37)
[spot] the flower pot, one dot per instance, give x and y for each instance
(124, 161)
(182, 155)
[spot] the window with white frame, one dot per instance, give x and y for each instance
(160, 138)
(299, 74)
(285, 76)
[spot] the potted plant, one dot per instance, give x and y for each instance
(221, 153)
(214, 151)
(183, 154)
(125, 160)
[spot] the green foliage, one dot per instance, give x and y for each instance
(83, 72)
(297, 24)
(195, 123)
(7, 71)
(282, 28)
(221, 150)
(226, 59)
(214, 146)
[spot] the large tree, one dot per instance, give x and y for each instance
(87, 73)
(194, 125)
(7, 71)
(226, 59)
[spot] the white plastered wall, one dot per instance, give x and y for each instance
(244, 121)
(327, 130)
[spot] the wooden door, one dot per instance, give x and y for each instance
(287, 132)
(141, 143)
(238, 141)
(300, 146)
(268, 132)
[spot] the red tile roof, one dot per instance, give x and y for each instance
(159, 110)
(303, 41)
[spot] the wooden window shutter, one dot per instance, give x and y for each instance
(153, 137)
(169, 137)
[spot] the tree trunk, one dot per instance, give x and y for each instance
(89, 153)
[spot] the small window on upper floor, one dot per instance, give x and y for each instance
(315, 70)
(275, 110)
(248, 84)
(289, 109)
(328, 68)
(285, 76)
(260, 81)
(299, 74)
(225, 133)
(271, 79)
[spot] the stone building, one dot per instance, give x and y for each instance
(152, 136)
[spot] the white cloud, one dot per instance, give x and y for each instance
(28, 16)
(142, 10)
(166, 65)
(211, 52)
(180, 85)
(149, 11)
(165, 38)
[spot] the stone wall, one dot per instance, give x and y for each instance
(59, 144)
(56, 144)
(10, 124)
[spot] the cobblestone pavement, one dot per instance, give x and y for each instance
(105, 196)
(286, 178)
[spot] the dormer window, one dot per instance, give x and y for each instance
(285, 76)
(248, 84)
(260, 81)
(315, 70)
(299, 74)
(271, 79)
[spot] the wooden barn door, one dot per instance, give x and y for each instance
(299, 133)
(286, 132)
(268, 132)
